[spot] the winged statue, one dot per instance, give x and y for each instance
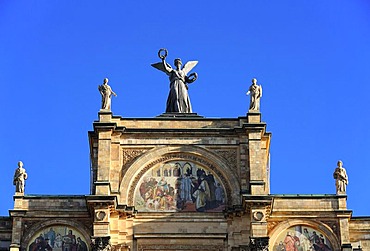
(178, 100)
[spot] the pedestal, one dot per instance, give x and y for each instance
(254, 117)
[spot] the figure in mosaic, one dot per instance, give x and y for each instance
(81, 245)
(178, 100)
(20, 176)
(69, 241)
(202, 195)
(341, 178)
(106, 95)
(255, 92)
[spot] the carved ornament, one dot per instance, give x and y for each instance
(100, 215)
(230, 156)
(258, 215)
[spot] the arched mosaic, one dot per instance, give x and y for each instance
(302, 238)
(58, 238)
(179, 185)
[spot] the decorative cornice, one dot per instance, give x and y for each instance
(234, 211)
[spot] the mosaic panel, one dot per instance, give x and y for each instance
(179, 186)
(58, 238)
(302, 238)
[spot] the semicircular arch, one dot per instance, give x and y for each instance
(186, 153)
(32, 231)
(318, 226)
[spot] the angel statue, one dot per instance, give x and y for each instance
(178, 99)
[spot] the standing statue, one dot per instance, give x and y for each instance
(106, 95)
(20, 176)
(178, 99)
(255, 92)
(341, 178)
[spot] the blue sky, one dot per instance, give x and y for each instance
(311, 57)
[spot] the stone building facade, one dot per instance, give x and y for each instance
(181, 182)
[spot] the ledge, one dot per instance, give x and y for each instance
(181, 235)
(307, 196)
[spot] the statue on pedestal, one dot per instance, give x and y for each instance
(255, 92)
(178, 99)
(341, 178)
(106, 95)
(20, 176)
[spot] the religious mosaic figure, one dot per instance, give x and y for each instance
(290, 242)
(255, 92)
(341, 178)
(202, 195)
(81, 245)
(106, 95)
(178, 100)
(20, 176)
(69, 241)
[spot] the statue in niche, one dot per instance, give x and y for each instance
(20, 176)
(341, 178)
(178, 100)
(106, 95)
(255, 92)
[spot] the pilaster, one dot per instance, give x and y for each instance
(17, 216)
(344, 217)
(100, 207)
(259, 209)
(104, 129)
(258, 152)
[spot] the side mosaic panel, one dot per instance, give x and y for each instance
(58, 238)
(177, 186)
(302, 238)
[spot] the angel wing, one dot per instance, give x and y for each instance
(160, 67)
(189, 66)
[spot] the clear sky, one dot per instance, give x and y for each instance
(312, 58)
